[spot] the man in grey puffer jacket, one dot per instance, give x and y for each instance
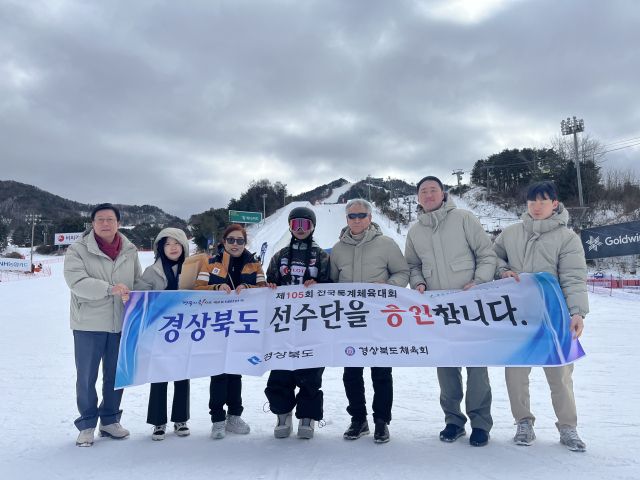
(447, 249)
(542, 243)
(364, 254)
(99, 268)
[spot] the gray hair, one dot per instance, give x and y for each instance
(358, 201)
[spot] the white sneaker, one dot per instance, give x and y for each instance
(114, 430)
(217, 430)
(158, 432)
(85, 438)
(306, 427)
(524, 434)
(235, 424)
(570, 439)
(284, 427)
(181, 429)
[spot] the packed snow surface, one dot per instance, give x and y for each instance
(37, 406)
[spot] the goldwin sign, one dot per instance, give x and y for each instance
(611, 240)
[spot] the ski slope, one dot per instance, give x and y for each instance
(37, 405)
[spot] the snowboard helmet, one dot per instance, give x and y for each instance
(303, 212)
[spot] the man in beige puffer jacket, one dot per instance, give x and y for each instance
(447, 249)
(364, 254)
(542, 243)
(99, 268)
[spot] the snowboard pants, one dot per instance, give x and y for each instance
(382, 379)
(157, 410)
(225, 389)
(91, 348)
(562, 398)
(281, 389)
(477, 398)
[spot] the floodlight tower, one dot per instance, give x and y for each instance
(32, 218)
(569, 127)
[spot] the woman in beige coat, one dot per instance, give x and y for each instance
(542, 243)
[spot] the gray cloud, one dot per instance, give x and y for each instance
(181, 105)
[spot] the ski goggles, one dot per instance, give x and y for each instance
(353, 216)
(300, 224)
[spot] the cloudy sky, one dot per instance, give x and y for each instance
(181, 104)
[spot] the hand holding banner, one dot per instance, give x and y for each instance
(173, 335)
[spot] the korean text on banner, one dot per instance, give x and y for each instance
(174, 335)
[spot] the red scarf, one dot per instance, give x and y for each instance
(112, 249)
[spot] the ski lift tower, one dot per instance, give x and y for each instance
(458, 173)
(569, 127)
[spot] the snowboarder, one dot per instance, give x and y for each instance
(302, 262)
(542, 243)
(171, 247)
(365, 255)
(233, 268)
(448, 249)
(99, 267)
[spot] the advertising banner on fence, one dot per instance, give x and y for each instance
(611, 240)
(174, 335)
(66, 238)
(15, 264)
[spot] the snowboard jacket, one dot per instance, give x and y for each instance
(375, 258)
(154, 277)
(319, 264)
(535, 246)
(448, 249)
(214, 274)
(91, 274)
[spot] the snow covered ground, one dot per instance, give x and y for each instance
(37, 406)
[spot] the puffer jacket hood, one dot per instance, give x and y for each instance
(176, 233)
(433, 219)
(154, 277)
(559, 218)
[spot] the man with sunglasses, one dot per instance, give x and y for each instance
(365, 255)
(447, 249)
(302, 262)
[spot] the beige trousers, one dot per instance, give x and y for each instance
(561, 385)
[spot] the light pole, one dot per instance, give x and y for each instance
(264, 207)
(45, 229)
(33, 219)
(398, 210)
(369, 183)
(569, 127)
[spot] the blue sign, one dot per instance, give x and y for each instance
(263, 251)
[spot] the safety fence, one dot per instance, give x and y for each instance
(607, 284)
(13, 276)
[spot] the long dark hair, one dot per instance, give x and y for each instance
(168, 264)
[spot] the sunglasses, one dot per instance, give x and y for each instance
(231, 241)
(353, 216)
(300, 224)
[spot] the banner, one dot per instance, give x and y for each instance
(13, 264)
(66, 238)
(611, 240)
(174, 335)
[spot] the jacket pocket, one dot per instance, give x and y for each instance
(426, 272)
(463, 265)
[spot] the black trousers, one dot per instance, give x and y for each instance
(281, 392)
(157, 410)
(225, 389)
(382, 393)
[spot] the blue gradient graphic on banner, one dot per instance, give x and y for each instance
(552, 343)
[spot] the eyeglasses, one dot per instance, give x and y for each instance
(353, 216)
(231, 241)
(110, 221)
(300, 224)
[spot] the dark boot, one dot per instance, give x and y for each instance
(479, 437)
(381, 434)
(356, 430)
(451, 433)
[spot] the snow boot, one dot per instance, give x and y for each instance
(158, 432)
(525, 434)
(356, 430)
(284, 426)
(381, 433)
(451, 433)
(306, 427)
(235, 424)
(85, 438)
(114, 430)
(570, 439)
(218, 430)
(181, 429)
(479, 437)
